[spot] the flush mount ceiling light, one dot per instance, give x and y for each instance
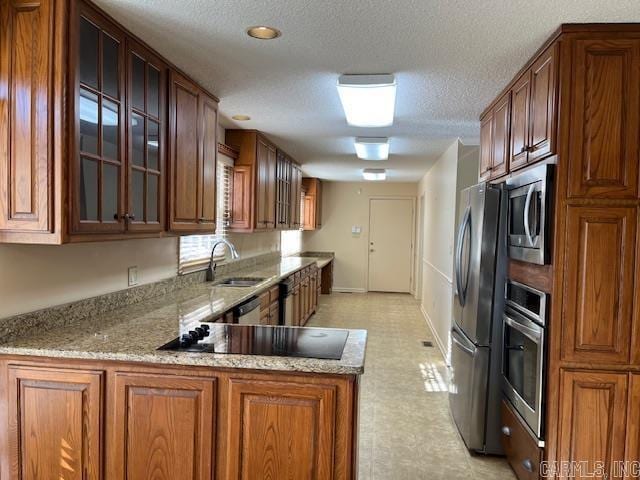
(241, 118)
(262, 32)
(375, 174)
(372, 148)
(368, 100)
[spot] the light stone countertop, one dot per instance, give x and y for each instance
(133, 333)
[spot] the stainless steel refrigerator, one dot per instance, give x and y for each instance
(476, 334)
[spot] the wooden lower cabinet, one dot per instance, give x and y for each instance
(593, 420)
(54, 427)
(632, 451)
(520, 447)
(73, 420)
(279, 430)
(162, 427)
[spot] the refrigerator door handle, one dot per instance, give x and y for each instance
(527, 207)
(462, 293)
(463, 347)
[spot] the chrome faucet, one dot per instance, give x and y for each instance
(211, 271)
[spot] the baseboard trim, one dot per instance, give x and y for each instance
(348, 290)
(429, 323)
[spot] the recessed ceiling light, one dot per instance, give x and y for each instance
(241, 118)
(368, 100)
(372, 148)
(374, 174)
(262, 32)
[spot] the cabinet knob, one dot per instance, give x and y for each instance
(127, 217)
(527, 465)
(506, 431)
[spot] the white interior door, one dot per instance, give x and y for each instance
(390, 242)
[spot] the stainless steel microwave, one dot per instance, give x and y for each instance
(529, 213)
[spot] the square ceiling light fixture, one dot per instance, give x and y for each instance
(368, 100)
(372, 148)
(374, 174)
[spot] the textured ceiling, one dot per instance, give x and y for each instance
(450, 58)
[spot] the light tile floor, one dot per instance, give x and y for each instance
(406, 430)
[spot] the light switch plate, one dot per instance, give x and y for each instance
(133, 276)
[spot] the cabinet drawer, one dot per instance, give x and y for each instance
(520, 447)
(274, 293)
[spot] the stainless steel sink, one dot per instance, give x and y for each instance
(240, 282)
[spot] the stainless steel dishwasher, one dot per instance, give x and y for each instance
(247, 313)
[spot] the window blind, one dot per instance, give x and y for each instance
(195, 250)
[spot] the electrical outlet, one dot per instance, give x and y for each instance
(133, 276)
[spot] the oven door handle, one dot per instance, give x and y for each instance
(534, 333)
(527, 207)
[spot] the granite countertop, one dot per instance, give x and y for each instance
(133, 333)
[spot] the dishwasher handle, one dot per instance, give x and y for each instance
(246, 307)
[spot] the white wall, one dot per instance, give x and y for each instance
(345, 204)
(455, 170)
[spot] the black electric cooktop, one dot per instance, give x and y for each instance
(303, 342)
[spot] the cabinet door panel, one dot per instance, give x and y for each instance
(603, 157)
(209, 109)
(520, 100)
(55, 423)
(241, 198)
(163, 427)
(543, 94)
(262, 178)
(26, 41)
(280, 430)
(184, 154)
(270, 212)
(500, 136)
(632, 453)
(592, 421)
(146, 107)
(598, 284)
(98, 172)
(486, 146)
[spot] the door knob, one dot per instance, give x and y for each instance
(372, 250)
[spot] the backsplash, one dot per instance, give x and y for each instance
(14, 326)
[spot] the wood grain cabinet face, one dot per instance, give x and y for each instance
(500, 136)
(592, 415)
(541, 142)
(192, 157)
(632, 453)
(604, 137)
(55, 420)
(598, 284)
(520, 102)
(280, 430)
(241, 212)
(26, 164)
(486, 147)
(163, 427)
(97, 172)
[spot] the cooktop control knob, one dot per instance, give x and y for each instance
(185, 341)
(194, 336)
(201, 332)
(205, 327)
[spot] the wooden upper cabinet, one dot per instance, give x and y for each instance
(280, 429)
(598, 284)
(283, 191)
(500, 147)
(486, 146)
(241, 212)
(592, 415)
(98, 163)
(192, 154)
(146, 127)
(162, 427)
(520, 103)
(312, 215)
(542, 111)
(28, 117)
(605, 129)
(296, 196)
(55, 423)
(265, 184)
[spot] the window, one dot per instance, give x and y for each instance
(195, 250)
(290, 242)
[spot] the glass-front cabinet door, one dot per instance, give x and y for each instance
(146, 77)
(98, 169)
